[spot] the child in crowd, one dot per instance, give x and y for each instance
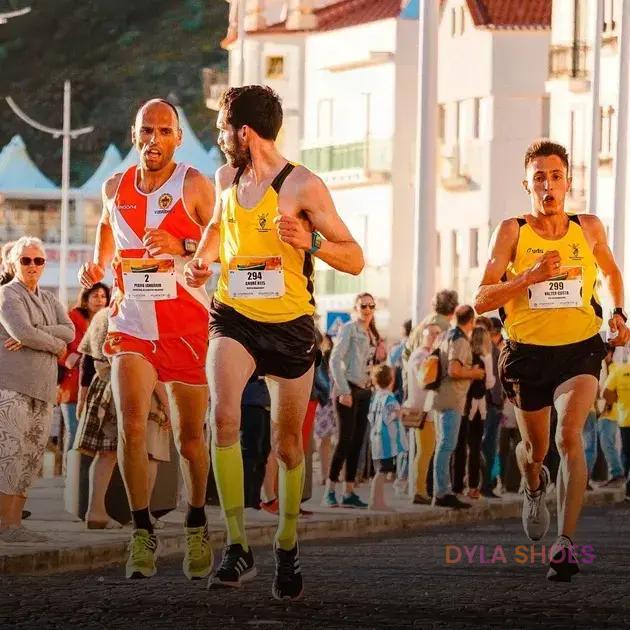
(387, 434)
(468, 448)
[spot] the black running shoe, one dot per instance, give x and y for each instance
(237, 566)
(563, 563)
(287, 582)
(451, 501)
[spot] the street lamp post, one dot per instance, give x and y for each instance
(67, 134)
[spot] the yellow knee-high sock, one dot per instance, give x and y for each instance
(227, 462)
(290, 487)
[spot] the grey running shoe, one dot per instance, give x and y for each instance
(535, 512)
(21, 535)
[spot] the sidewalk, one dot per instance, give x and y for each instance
(72, 547)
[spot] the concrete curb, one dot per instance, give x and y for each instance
(84, 557)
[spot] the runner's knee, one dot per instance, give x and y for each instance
(535, 452)
(287, 448)
(225, 424)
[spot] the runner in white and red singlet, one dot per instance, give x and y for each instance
(152, 220)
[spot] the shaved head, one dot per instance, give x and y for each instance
(157, 103)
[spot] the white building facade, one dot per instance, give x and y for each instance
(348, 76)
(492, 103)
(570, 86)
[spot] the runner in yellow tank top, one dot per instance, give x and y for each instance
(265, 230)
(541, 276)
(263, 278)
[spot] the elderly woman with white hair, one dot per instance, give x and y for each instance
(34, 331)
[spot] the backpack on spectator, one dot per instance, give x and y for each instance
(431, 370)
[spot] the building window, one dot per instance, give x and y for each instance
(441, 122)
(438, 249)
(545, 116)
(476, 116)
(609, 25)
(274, 67)
(453, 22)
(462, 20)
(474, 248)
(325, 118)
(455, 250)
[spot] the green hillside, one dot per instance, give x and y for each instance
(117, 53)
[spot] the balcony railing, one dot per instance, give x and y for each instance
(569, 61)
(370, 155)
(214, 84)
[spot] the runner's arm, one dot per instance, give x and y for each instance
(596, 233)
(208, 249)
(105, 247)
(493, 292)
(339, 249)
(199, 191)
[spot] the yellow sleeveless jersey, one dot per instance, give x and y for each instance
(261, 277)
(564, 309)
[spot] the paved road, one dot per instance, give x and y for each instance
(401, 581)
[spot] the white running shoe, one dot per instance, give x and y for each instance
(536, 516)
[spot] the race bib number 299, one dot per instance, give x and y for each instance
(561, 291)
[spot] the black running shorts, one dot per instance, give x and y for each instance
(531, 374)
(287, 349)
(385, 465)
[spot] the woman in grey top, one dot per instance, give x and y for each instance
(34, 331)
(352, 357)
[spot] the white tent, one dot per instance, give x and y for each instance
(19, 177)
(111, 160)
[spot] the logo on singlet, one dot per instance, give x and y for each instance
(535, 250)
(575, 251)
(127, 206)
(164, 203)
(262, 222)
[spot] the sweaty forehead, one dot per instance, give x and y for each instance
(156, 114)
(546, 163)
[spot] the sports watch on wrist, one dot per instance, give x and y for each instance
(190, 246)
(620, 311)
(316, 242)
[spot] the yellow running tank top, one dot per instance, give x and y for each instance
(261, 277)
(564, 309)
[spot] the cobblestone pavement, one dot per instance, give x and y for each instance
(398, 581)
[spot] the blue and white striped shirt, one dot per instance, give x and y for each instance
(387, 434)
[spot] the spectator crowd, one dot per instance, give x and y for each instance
(428, 414)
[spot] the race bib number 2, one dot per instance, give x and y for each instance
(256, 277)
(149, 278)
(561, 291)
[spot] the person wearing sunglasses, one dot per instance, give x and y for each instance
(352, 357)
(34, 331)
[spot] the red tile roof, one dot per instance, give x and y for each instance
(511, 13)
(343, 14)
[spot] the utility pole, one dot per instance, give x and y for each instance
(595, 117)
(67, 134)
(8, 15)
(424, 224)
